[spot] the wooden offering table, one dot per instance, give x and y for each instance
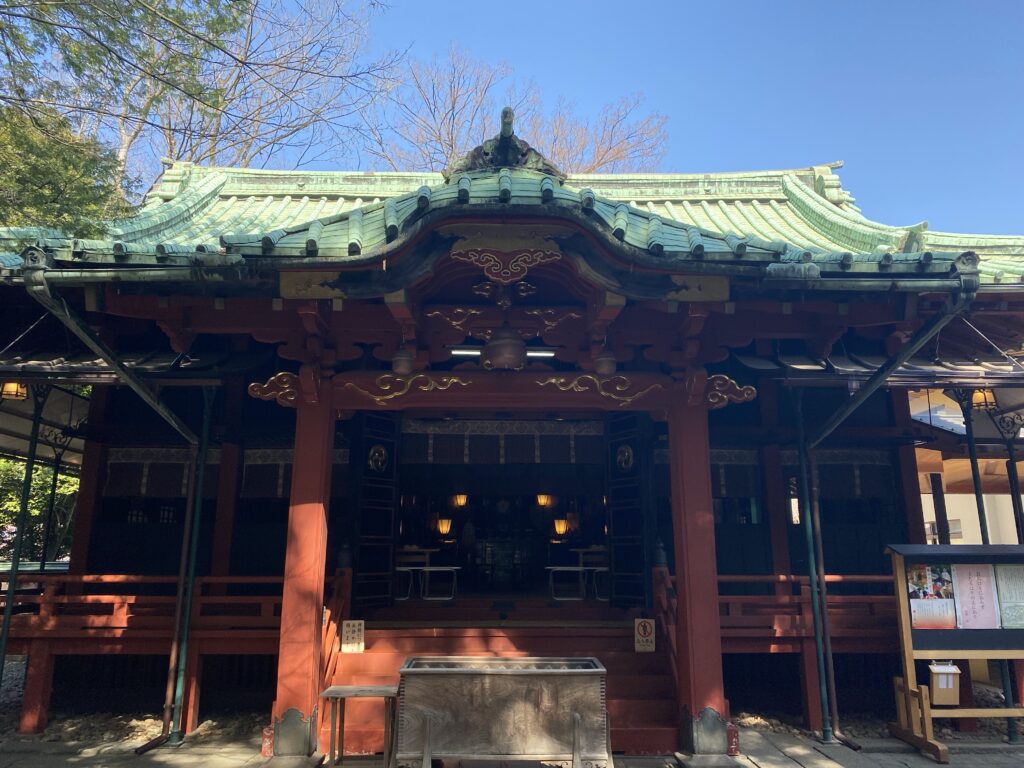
(337, 694)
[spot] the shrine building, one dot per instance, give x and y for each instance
(499, 411)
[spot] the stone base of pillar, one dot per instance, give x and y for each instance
(705, 734)
(294, 735)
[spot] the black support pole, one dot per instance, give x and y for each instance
(939, 503)
(1014, 480)
(39, 394)
(48, 525)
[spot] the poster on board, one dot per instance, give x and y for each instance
(930, 589)
(976, 604)
(1010, 586)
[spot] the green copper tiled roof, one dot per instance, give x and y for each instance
(196, 210)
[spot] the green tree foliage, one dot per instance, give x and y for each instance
(70, 56)
(12, 473)
(230, 81)
(50, 176)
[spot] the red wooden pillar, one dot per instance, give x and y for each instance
(698, 626)
(775, 491)
(910, 481)
(91, 480)
(193, 686)
(810, 685)
(302, 604)
(35, 703)
(229, 479)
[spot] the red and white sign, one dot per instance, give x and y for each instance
(643, 635)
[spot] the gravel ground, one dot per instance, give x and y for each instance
(10, 693)
(126, 730)
(856, 725)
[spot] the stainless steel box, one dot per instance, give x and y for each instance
(532, 708)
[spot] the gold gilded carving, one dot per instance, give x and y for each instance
(457, 317)
(282, 387)
(551, 318)
(506, 267)
(720, 390)
(390, 387)
(617, 388)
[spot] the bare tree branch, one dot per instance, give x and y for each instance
(447, 106)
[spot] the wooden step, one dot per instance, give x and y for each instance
(642, 712)
(656, 740)
(629, 686)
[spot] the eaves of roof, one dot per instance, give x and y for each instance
(363, 236)
(800, 224)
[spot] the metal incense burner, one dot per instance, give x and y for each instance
(465, 707)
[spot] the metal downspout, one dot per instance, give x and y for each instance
(41, 291)
(39, 394)
(173, 655)
(827, 736)
(171, 730)
(177, 733)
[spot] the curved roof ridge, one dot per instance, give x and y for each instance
(154, 218)
(844, 227)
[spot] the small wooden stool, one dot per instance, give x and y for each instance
(337, 695)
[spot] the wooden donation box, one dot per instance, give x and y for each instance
(945, 683)
(954, 602)
(466, 707)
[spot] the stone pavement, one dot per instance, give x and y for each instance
(41, 754)
(777, 750)
(760, 750)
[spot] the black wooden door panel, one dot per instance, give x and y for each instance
(374, 462)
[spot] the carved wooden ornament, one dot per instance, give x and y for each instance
(506, 267)
(720, 390)
(617, 388)
(282, 387)
(391, 387)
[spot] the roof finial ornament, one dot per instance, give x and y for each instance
(506, 150)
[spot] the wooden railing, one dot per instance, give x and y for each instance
(665, 608)
(65, 602)
(787, 613)
(337, 608)
(758, 622)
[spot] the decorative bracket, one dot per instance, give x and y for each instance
(506, 267)
(282, 387)
(720, 390)
(391, 387)
(617, 388)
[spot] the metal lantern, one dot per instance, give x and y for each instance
(984, 400)
(459, 500)
(444, 525)
(13, 390)
(561, 526)
(545, 500)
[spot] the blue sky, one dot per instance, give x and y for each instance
(924, 101)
